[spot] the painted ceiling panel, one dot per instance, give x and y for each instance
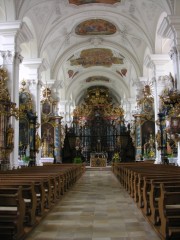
(95, 27)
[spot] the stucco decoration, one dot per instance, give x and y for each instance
(81, 2)
(97, 78)
(96, 57)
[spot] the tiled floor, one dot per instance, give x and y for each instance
(96, 208)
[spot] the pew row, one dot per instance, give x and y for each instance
(41, 187)
(144, 184)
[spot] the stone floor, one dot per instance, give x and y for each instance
(95, 208)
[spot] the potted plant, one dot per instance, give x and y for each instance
(77, 160)
(26, 160)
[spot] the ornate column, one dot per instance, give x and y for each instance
(158, 62)
(13, 34)
(36, 66)
(138, 140)
(57, 139)
(11, 61)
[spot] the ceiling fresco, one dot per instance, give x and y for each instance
(97, 78)
(81, 2)
(96, 57)
(95, 27)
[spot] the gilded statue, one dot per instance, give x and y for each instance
(158, 139)
(149, 147)
(10, 136)
(37, 142)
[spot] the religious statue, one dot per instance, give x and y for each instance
(37, 142)
(149, 147)
(45, 148)
(158, 139)
(47, 144)
(10, 136)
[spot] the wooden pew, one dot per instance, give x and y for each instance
(145, 191)
(170, 186)
(29, 196)
(49, 184)
(169, 212)
(12, 213)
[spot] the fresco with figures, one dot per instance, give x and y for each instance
(95, 27)
(96, 57)
(81, 2)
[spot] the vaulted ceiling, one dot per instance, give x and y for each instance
(90, 42)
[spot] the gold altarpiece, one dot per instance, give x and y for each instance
(28, 133)
(7, 110)
(143, 127)
(50, 129)
(99, 124)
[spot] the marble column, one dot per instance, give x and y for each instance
(57, 139)
(160, 80)
(35, 67)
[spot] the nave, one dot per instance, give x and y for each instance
(97, 207)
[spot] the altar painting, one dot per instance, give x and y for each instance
(148, 128)
(47, 133)
(81, 2)
(96, 57)
(95, 27)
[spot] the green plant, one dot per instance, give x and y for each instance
(77, 160)
(26, 158)
(116, 157)
(170, 155)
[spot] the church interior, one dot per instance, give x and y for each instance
(90, 89)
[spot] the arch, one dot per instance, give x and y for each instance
(85, 45)
(78, 85)
(161, 44)
(30, 49)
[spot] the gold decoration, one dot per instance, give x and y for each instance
(98, 100)
(37, 142)
(146, 102)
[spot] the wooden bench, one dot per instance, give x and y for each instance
(29, 196)
(169, 212)
(12, 213)
(40, 188)
(169, 186)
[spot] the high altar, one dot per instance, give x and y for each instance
(98, 160)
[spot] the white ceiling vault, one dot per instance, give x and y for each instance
(69, 62)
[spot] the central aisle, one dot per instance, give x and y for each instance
(95, 208)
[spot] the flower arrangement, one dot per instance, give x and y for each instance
(116, 157)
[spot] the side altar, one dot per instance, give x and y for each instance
(98, 159)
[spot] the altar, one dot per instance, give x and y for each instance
(98, 160)
(47, 160)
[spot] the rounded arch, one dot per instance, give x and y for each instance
(116, 84)
(162, 45)
(2, 14)
(30, 49)
(85, 45)
(146, 62)
(7, 11)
